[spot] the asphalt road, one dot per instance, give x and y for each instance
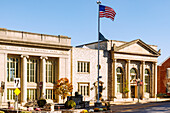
(160, 107)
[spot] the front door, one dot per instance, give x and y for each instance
(132, 91)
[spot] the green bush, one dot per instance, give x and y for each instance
(70, 104)
(161, 95)
(24, 112)
(41, 102)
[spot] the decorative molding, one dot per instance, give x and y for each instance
(22, 56)
(44, 57)
(26, 49)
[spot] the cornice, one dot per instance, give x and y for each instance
(135, 54)
(33, 44)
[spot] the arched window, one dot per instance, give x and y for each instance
(133, 74)
(147, 81)
(119, 80)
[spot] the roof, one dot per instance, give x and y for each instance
(141, 43)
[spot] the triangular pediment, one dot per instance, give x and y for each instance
(137, 47)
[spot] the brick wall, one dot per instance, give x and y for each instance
(162, 76)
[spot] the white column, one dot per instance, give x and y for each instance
(114, 79)
(43, 75)
(24, 79)
(155, 79)
(128, 78)
(143, 78)
(5, 78)
(152, 78)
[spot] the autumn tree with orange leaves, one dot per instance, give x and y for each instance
(63, 88)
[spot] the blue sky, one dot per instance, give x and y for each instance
(148, 20)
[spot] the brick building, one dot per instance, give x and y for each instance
(164, 77)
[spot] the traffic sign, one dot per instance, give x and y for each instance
(17, 91)
(17, 83)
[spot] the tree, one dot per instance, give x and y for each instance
(63, 88)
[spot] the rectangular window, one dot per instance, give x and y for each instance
(168, 72)
(83, 67)
(168, 87)
(10, 94)
(31, 94)
(49, 94)
(12, 68)
(31, 70)
(83, 89)
(50, 71)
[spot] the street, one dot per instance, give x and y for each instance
(161, 107)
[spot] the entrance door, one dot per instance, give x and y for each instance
(132, 91)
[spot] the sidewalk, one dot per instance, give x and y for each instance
(124, 106)
(135, 101)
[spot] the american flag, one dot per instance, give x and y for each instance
(105, 11)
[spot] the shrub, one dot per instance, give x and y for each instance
(84, 111)
(104, 109)
(41, 102)
(161, 95)
(70, 104)
(96, 109)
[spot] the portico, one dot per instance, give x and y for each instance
(130, 65)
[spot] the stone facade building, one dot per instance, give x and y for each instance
(122, 64)
(40, 58)
(34, 58)
(164, 77)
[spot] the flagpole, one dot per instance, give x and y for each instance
(98, 2)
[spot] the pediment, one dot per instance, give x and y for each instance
(137, 47)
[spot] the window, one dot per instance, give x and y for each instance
(49, 94)
(31, 94)
(168, 72)
(31, 70)
(10, 94)
(168, 87)
(12, 69)
(147, 81)
(83, 89)
(83, 67)
(133, 74)
(119, 80)
(50, 71)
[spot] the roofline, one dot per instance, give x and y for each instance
(164, 61)
(136, 41)
(100, 41)
(109, 41)
(88, 44)
(61, 36)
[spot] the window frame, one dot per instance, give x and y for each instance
(52, 64)
(121, 80)
(147, 85)
(16, 66)
(83, 67)
(29, 94)
(52, 94)
(86, 88)
(10, 94)
(168, 72)
(31, 61)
